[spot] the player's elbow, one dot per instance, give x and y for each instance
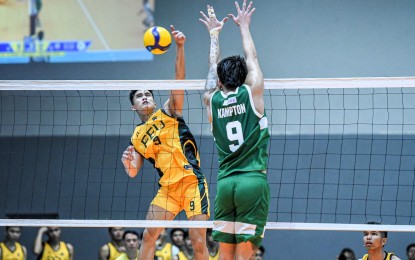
(131, 172)
(37, 251)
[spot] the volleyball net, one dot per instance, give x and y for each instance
(342, 153)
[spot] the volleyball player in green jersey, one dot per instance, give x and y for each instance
(235, 107)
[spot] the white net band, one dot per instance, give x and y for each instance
(198, 224)
(301, 83)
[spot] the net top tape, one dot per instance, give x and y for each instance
(199, 224)
(299, 83)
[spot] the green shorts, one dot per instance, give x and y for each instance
(241, 208)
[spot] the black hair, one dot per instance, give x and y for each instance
(132, 92)
(186, 235)
(344, 251)
(384, 234)
(409, 247)
(209, 231)
(232, 71)
(8, 227)
(139, 236)
(110, 229)
(177, 229)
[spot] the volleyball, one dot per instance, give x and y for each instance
(157, 40)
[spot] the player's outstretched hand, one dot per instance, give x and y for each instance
(130, 161)
(178, 36)
(210, 21)
(244, 14)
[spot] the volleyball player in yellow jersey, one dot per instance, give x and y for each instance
(53, 248)
(10, 248)
(115, 247)
(165, 140)
(375, 241)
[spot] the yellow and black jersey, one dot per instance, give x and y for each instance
(114, 252)
(388, 256)
(165, 253)
(169, 145)
(214, 257)
(7, 254)
(124, 256)
(183, 256)
(62, 253)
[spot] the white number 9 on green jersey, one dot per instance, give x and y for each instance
(234, 135)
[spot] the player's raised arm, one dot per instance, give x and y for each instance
(214, 26)
(132, 161)
(38, 245)
(254, 78)
(174, 105)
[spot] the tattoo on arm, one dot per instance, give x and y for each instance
(211, 80)
(214, 49)
(212, 77)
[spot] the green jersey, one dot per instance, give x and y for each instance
(240, 132)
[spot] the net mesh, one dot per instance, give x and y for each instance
(339, 154)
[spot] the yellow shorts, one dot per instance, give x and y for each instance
(189, 194)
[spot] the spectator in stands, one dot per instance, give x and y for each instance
(186, 252)
(10, 248)
(375, 241)
(54, 247)
(115, 247)
(164, 249)
(177, 237)
(410, 252)
(347, 254)
(132, 242)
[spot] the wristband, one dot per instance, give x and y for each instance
(214, 32)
